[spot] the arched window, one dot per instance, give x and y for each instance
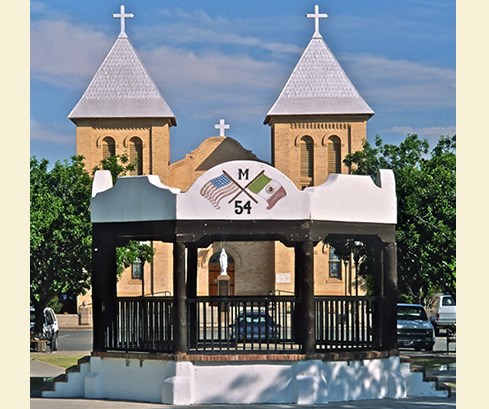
(334, 154)
(108, 147)
(334, 264)
(306, 161)
(137, 270)
(136, 154)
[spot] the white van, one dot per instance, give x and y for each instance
(442, 311)
(50, 327)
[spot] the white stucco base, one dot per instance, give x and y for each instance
(299, 382)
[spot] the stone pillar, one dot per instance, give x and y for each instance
(223, 285)
(104, 287)
(180, 298)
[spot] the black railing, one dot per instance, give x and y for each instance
(241, 324)
(268, 324)
(142, 324)
(345, 323)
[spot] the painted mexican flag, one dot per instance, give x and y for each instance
(269, 189)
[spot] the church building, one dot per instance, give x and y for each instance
(318, 118)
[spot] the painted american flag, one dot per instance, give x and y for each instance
(218, 188)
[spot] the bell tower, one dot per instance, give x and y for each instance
(318, 118)
(122, 111)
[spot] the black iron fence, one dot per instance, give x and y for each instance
(243, 324)
(142, 324)
(346, 323)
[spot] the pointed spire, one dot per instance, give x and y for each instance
(122, 87)
(318, 84)
(122, 15)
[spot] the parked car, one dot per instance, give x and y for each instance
(442, 311)
(50, 328)
(253, 325)
(414, 330)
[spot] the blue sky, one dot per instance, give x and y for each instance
(230, 59)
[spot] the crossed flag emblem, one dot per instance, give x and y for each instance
(224, 185)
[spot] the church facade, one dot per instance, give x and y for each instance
(318, 118)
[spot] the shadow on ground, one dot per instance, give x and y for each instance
(38, 384)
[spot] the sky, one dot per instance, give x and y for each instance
(230, 59)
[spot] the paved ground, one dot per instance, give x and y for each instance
(411, 403)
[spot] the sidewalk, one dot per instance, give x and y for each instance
(41, 369)
(410, 403)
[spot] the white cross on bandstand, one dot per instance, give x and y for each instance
(316, 16)
(123, 15)
(222, 127)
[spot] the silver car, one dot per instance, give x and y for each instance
(414, 330)
(442, 311)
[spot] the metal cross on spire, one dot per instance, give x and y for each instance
(123, 15)
(316, 16)
(222, 127)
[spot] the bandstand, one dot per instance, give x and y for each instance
(187, 348)
(184, 349)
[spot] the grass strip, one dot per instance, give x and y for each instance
(63, 361)
(432, 363)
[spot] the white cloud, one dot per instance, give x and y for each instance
(434, 131)
(40, 133)
(65, 54)
(397, 134)
(402, 84)
(197, 27)
(210, 70)
(68, 55)
(433, 3)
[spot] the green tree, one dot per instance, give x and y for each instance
(425, 188)
(118, 165)
(60, 231)
(133, 251)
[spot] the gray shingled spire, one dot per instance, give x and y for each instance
(122, 88)
(318, 86)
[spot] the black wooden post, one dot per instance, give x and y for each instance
(308, 306)
(104, 288)
(192, 293)
(389, 319)
(297, 331)
(378, 274)
(180, 298)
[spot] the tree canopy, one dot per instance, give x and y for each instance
(426, 195)
(60, 230)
